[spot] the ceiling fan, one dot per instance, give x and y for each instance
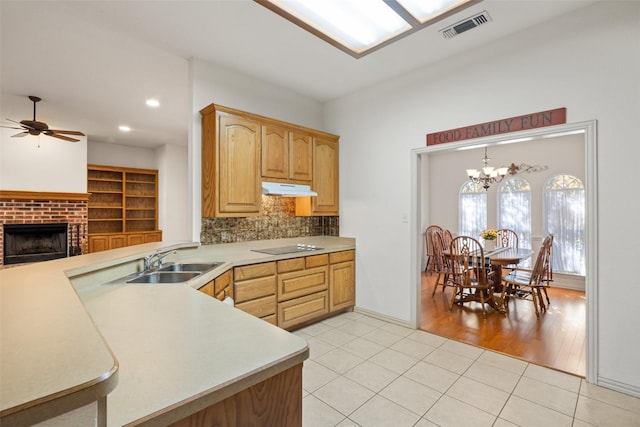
(34, 127)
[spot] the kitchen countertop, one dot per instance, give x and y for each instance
(166, 351)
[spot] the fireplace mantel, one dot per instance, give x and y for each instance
(42, 195)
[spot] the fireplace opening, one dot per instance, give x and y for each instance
(24, 243)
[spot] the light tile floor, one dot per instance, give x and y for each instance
(363, 371)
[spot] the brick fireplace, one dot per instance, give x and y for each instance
(29, 207)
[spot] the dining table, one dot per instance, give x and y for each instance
(497, 259)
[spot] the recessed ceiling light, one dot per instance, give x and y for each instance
(153, 103)
(124, 128)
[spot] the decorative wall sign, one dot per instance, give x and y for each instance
(513, 124)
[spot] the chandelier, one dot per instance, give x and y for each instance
(488, 174)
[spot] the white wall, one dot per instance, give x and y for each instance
(587, 62)
(215, 84)
(174, 209)
(42, 163)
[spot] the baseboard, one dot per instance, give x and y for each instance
(384, 317)
(631, 390)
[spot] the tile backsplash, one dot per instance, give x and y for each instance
(277, 220)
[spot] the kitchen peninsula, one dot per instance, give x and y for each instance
(145, 354)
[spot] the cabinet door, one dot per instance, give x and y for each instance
(98, 243)
(117, 241)
(239, 182)
(342, 280)
(275, 152)
(325, 177)
(300, 157)
(135, 239)
(153, 237)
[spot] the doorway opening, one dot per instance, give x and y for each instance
(423, 206)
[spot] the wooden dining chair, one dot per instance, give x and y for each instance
(531, 283)
(428, 235)
(507, 238)
(442, 263)
(470, 277)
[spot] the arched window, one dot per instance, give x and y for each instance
(564, 217)
(472, 209)
(514, 208)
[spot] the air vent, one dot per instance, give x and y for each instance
(466, 24)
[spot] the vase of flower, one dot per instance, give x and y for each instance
(489, 245)
(489, 236)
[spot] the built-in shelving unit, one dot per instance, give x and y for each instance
(123, 206)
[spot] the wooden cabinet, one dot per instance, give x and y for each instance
(231, 144)
(123, 207)
(255, 290)
(286, 155)
(342, 280)
(221, 287)
(325, 177)
(292, 292)
(303, 285)
(104, 242)
(240, 150)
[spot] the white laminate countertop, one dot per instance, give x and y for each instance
(168, 350)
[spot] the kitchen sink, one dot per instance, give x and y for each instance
(204, 266)
(165, 277)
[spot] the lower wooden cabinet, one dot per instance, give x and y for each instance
(292, 292)
(342, 279)
(255, 290)
(104, 242)
(303, 309)
(221, 287)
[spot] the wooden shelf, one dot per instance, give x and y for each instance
(122, 200)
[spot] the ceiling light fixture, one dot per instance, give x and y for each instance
(488, 175)
(360, 27)
(124, 128)
(153, 103)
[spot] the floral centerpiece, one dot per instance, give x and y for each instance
(489, 236)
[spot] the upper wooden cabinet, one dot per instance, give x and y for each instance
(286, 155)
(325, 177)
(230, 163)
(240, 150)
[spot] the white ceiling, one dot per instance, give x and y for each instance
(95, 63)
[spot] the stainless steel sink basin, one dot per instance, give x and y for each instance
(165, 277)
(204, 266)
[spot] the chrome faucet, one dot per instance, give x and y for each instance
(159, 255)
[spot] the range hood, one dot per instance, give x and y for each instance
(287, 190)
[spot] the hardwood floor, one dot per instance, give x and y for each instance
(556, 340)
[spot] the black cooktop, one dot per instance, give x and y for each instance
(287, 249)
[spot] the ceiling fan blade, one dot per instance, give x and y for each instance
(16, 122)
(66, 138)
(11, 127)
(20, 135)
(66, 132)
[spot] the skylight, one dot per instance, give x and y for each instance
(359, 27)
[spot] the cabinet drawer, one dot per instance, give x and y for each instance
(255, 288)
(299, 283)
(254, 270)
(260, 307)
(342, 256)
(300, 310)
(293, 264)
(222, 281)
(316, 260)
